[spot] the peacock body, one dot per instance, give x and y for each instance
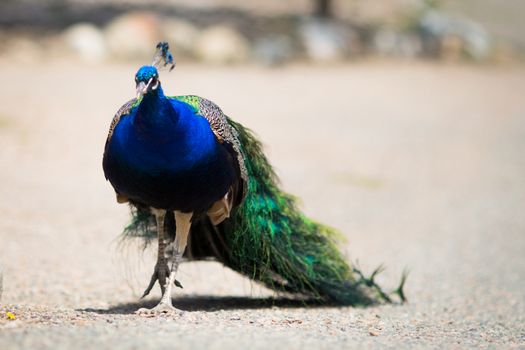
(162, 154)
(201, 183)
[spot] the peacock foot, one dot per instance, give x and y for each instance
(160, 274)
(163, 308)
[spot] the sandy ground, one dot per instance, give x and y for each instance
(421, 166)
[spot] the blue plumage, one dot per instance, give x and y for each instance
(163, 155)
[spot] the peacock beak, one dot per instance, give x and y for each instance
(142, 88)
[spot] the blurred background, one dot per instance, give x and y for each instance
(399, 122)
(267, 32)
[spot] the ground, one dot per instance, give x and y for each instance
(421, 166)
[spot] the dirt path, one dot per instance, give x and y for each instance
(421, 166)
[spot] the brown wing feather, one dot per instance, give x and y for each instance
(125, 109)
(224, 133)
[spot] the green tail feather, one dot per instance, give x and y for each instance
(271, 241)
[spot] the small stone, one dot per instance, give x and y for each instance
(373, 332)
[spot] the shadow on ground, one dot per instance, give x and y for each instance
(209, 303)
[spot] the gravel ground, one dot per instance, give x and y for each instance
(421, 166)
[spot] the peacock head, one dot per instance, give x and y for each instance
(147, 80)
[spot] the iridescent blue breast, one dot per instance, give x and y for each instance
(168, 158)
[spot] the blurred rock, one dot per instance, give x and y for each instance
(452, 47)
(446, 35)
(505, 53)
(389, 42)
(222, 44)
(326, 40)
(133, 35)
(391, 12)
(24, 50)
(181, 35)
(273, 50)
(87, 41)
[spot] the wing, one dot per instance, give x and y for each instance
(123, 111)
(222, 129)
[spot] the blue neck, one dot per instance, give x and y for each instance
(155, 108)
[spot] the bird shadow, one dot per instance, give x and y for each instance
(209, 303)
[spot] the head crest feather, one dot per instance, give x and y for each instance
(163, 57)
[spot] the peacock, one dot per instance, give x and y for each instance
(200, 183)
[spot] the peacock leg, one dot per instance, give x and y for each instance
(182, 227)
(161, 267)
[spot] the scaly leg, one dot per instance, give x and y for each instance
(182, 227)
(161, 267)
(182, 230)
